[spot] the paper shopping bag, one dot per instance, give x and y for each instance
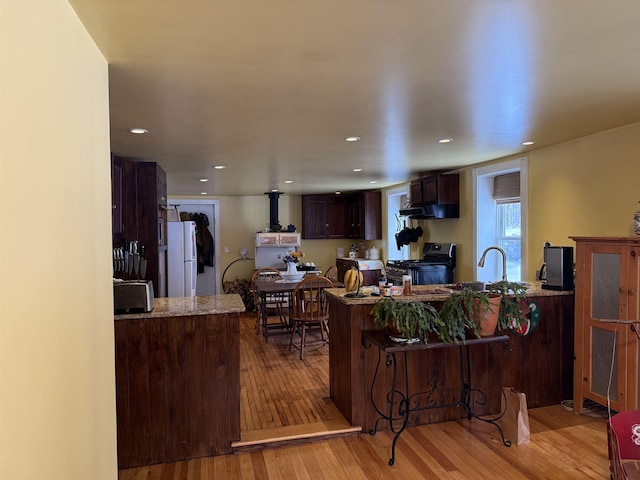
(515, 421)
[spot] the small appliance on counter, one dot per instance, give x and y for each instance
(558, 266)
(132, 296)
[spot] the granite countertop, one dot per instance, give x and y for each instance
(189, 306)
(438, 293)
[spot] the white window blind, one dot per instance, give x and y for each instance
(506, 186)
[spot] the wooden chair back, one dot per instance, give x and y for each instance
(309, 302)
(332, 273)
(267, 273)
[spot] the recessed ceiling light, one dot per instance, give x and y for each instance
(274, 190)
(373, 181)
(203, 193)
(204, 179)
(288, 181)
(445, 140)
(352, 139)
(138, 131)
(528, 143)
(219, 167)
(357, 169)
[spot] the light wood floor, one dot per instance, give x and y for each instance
(283, 396)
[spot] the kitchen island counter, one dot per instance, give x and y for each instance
(178, 380)
(539, 364)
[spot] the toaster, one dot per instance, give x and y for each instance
(132, 296)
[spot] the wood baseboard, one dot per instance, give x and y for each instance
(294, 434)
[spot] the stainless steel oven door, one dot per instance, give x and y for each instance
(431, 275)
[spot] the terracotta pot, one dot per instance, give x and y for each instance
(488, 318)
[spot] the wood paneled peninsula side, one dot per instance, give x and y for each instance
(178, 380)
(539, 364)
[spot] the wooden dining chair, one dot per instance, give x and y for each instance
(276, 303)
(332, 273)
(310, 309)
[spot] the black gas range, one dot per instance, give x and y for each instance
(436, 267)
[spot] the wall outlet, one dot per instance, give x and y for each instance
(226, 249)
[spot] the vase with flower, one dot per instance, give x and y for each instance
(291, 259)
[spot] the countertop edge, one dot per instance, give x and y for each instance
(535, 290)
(189, 306)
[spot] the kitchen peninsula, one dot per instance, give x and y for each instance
(178, 379)
(539, 364)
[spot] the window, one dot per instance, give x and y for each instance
(500, 192)
(508, 234)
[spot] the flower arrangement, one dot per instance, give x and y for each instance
(293, 256)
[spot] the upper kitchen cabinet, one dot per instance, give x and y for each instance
(364, 215)
(324, 216)
(123, 198)
(356, 215)
(437, 194)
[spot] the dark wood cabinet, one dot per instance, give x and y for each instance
(117, 175)
(365, 215)
(139, 198)
(324, 216)
(151, 182)
(355, 215)
(440, 189)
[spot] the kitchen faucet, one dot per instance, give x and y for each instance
(504, 260)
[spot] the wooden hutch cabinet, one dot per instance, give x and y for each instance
(607, 284)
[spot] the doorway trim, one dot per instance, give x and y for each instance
(183, 202)
(394, 200)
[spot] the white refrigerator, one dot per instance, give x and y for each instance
(182, 259)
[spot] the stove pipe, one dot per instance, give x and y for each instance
(274, 224)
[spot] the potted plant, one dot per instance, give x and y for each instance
(409, 320)
(513, 308)
(469, 311)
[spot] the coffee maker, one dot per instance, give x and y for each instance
(558, 264)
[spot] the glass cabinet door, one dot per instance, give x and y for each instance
(605, 343)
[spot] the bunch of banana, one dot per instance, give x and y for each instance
(352, 279)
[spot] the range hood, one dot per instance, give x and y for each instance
(432, 211)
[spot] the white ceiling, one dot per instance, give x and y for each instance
(270, 88)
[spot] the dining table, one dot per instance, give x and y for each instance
(267, 287)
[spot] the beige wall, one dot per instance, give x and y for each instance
(57, 396)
